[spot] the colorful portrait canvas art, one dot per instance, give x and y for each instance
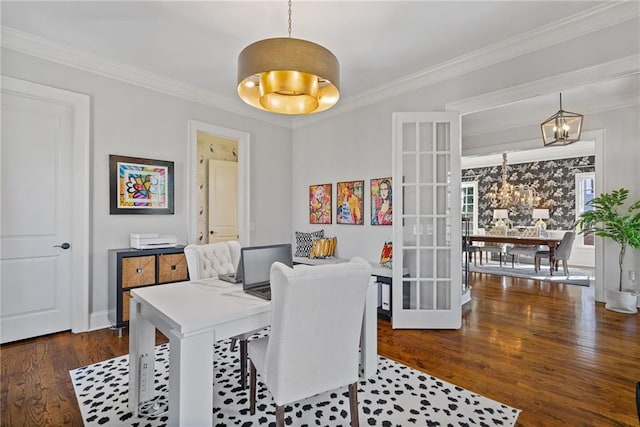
(350, 202)
(381, 201)
(320, 204)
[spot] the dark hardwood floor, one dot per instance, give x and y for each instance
(546, 349)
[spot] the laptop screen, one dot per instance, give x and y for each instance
(256, 263)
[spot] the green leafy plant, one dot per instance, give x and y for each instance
(606, 220)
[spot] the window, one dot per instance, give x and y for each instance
(469, 203)
(585, 191)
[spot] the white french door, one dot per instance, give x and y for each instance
(427, 279)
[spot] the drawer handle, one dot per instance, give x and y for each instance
(139, 270)
(173, 267)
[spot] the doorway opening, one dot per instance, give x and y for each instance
(211, 145)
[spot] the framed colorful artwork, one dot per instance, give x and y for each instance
(381, 201)
(140, 186)
(350, 202)
(320, 204)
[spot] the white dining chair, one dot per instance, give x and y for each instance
(316, 318)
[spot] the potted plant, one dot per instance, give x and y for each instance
(606, 221)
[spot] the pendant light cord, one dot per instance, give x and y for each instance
(289, 18)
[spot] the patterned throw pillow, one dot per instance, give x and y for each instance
(304, 241)
(385, 256)
(323, 248)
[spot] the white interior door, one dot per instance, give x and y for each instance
(40, 230)
(223, 201)
(426, 221)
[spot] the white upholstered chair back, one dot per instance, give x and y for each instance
(212, 259)
(315, 329)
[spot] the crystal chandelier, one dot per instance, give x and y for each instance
(515, 198)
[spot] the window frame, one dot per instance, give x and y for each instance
(580, 178)
(473, 185)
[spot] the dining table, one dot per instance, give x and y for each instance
(551, 242)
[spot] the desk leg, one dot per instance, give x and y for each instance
(191, 380)
(142, 340)
(369, 348)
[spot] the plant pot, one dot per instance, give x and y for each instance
(622, 302)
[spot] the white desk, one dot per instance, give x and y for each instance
(194, 315)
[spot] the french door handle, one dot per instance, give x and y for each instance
(65, 245)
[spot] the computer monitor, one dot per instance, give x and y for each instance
(256, 261)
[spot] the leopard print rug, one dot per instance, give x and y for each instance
(396, 396)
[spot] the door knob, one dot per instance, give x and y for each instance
(212, 232)
(65, 245)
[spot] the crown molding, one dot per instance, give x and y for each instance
(581, 148)
(608, 104)
(614, 69)
(38, 47)
(589, 21)
(594, 19)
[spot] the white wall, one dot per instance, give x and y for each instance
(133, 121)
(357, 144)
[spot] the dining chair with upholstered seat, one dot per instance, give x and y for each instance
(209, 261)
(562, 252)
(312, 347)
(488, 248)
(515, 251)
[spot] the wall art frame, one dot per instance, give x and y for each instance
(350, 202)
(381, 201)
(140, 186)
(320, 204)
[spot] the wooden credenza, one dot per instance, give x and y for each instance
(134, 268)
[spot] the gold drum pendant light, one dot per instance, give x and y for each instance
(288, 76)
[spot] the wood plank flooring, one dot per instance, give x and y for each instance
(544, 348)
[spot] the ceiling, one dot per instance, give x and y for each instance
(378, 43)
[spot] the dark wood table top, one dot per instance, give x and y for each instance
(533, 241)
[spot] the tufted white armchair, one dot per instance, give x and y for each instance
(211, 260)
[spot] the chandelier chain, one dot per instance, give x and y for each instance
(289, 18)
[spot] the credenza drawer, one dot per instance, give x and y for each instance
(172, 268)
(138, 271)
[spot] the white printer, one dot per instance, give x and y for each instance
(152, 241)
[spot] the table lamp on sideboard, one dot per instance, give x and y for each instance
(540, 215)
(500, 215)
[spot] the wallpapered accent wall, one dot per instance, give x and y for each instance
(554, 180)
(216, 148)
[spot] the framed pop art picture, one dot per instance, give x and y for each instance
(381, 201)
(320, 204)
(350, 202)
(140, 186)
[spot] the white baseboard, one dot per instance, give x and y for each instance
(99, 320)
